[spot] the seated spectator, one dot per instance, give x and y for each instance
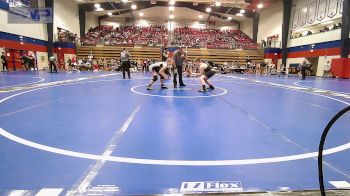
(325, 29)
(337, 26)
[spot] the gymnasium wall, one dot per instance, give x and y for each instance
(316, 38)
(66, 17)
(33, 37)
(91, 21)
(270, 22)
(308, 13)
(116, 22)
(247, 27)
(37, 31)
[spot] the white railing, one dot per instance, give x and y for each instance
(332, 35)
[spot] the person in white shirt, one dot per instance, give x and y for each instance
(327, 69)
(125, 61)
(159, 69)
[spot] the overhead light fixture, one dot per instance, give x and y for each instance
(260, 5)
(208, 9)
(229, 18)
(200, 16)
(172, 2)
(110, 14)
(141, 14)
(97, 5)
(239, 14)
(242, 11)
(124, 1)
(133, 6)
(217, 3)
(171, 8)
(99, 9)
(171, 16)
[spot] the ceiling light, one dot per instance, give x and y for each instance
(171, 16)
(171, 8)
(239, 14)
(124, 1)
(242, 11)
(97, 5)
(172, 2)
(200, 16)
(110, 14)
(133, 6)
(208, 9)
(229, 18)
(260, 5)
(217, 3)
(141, 14)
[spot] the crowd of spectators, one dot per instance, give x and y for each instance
(212, 38)
(158, 36)
(66, 36)
(316, 30)
(127, 35)
(133, 35)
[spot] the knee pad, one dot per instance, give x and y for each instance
(155, 78)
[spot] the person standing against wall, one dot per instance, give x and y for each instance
(179, 58)
(304, 67)
(52, 61)
(4, 62)
(327, 69)
(125, 60)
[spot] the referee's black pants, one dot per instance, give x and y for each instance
(126, 68)
(179, 72)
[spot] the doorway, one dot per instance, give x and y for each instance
(314, 64)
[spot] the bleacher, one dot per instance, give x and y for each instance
(108, 52)
(218, 56)
(209, 44)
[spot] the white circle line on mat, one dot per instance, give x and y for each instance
(118, 159)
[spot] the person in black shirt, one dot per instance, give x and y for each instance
(4, 62)
(165, 55)
(24, 59)
(304, 67)
(179, 58)
(206, 71)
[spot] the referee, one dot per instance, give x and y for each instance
(125, 61)
(179, 58)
